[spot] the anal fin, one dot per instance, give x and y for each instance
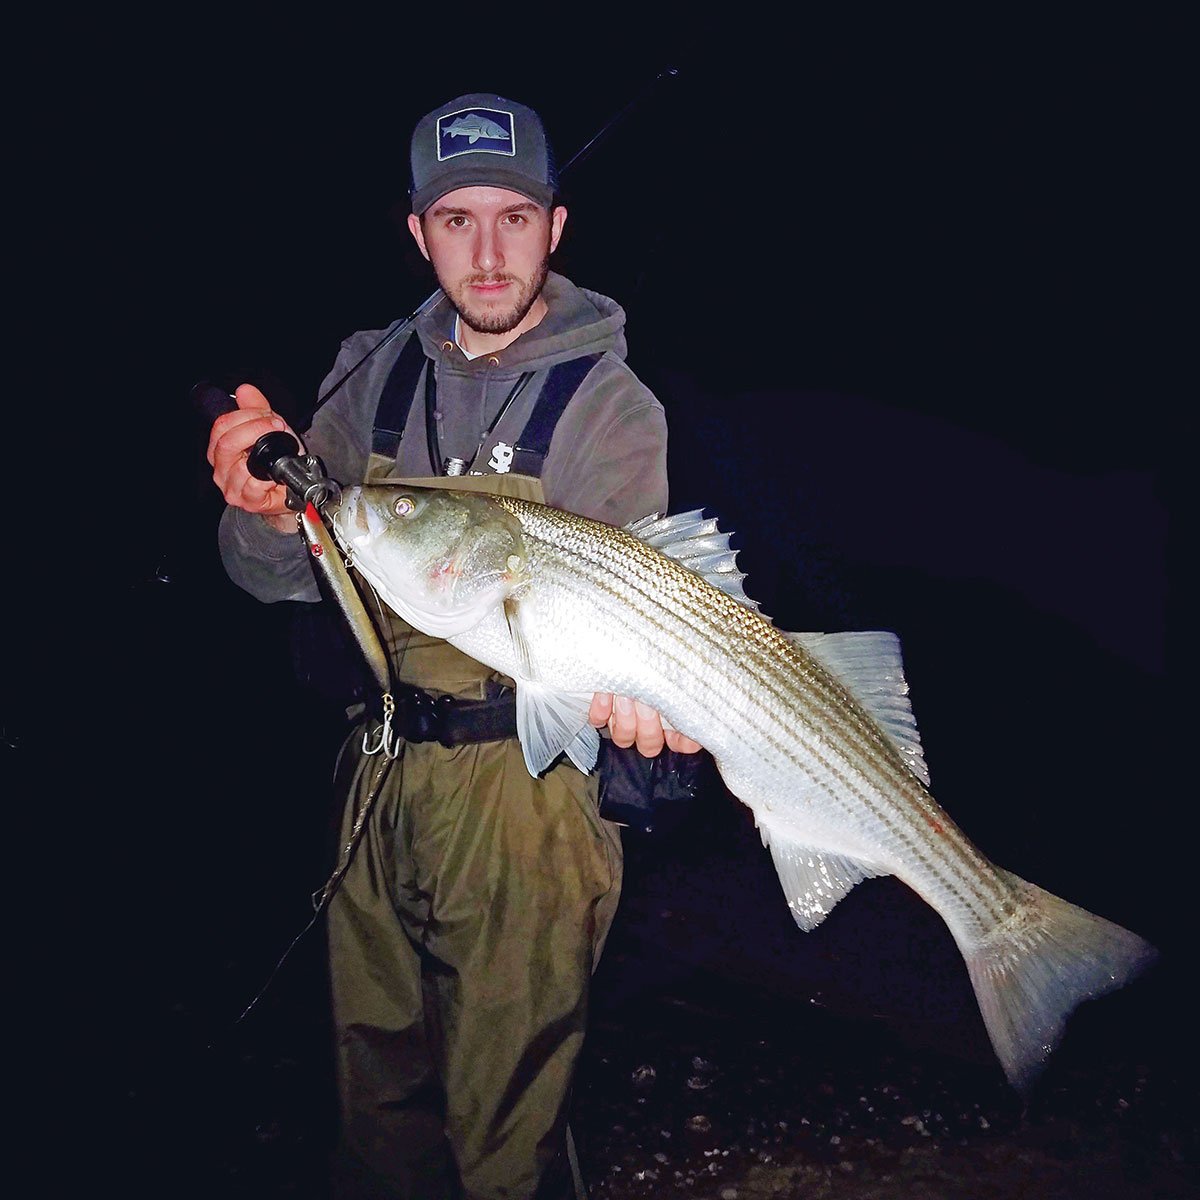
(813, 880)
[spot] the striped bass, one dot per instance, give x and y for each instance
(813, 732)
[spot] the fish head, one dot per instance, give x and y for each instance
(441, 559)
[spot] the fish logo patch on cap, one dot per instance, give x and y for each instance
(476, 131)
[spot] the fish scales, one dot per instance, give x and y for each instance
(675, 602)
(806, 689)
(818, 744)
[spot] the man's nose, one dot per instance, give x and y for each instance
(488, 255)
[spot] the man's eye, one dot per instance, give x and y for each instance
(515, 218)
(456, 222)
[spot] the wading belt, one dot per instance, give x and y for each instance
(420, 716)
(423, 717)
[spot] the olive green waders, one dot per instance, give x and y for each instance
(462, 942)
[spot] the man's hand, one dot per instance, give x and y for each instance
(633, 723)
(233, 436)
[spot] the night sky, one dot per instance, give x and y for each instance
(909, 294)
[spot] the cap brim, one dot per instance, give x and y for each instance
(488, 176)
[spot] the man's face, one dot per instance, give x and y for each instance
(490, 249)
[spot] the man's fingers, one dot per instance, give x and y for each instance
(622, 724)
(234, 433)
(601, 709)
(680, 742)
(649, 735)
(248, 396)
(632, 722)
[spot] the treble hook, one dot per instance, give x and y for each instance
(388, 741)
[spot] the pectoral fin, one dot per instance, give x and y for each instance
(550, 723)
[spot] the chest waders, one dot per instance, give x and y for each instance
(471, 914)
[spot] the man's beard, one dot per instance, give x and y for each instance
(499, 321)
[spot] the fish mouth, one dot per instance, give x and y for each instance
(352, 518)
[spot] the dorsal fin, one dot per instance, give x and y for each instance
(694, 540)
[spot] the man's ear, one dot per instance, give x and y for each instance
(558, 218)
(414, 227)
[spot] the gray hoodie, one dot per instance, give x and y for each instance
(607, 458)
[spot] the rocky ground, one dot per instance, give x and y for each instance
(716, 1067)
(751, 1107)
(731, 1057)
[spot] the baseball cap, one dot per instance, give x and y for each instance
(481, 139)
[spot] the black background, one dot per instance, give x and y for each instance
(912, 292)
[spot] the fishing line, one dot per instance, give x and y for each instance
(323, 898)
(431, 424)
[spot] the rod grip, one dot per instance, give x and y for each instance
(211, 401)
(272, 458)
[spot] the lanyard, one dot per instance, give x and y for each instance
(456, 466)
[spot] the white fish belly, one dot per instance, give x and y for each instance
(813, 775)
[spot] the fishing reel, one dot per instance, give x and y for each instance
(275, 457)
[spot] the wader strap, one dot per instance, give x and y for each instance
(561, 384)
(396, 399)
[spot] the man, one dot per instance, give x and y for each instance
(477, 900)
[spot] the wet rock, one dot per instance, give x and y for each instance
(643, 1077)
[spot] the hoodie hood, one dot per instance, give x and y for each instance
(578, 322)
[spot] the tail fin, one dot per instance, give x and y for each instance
(1033, 970)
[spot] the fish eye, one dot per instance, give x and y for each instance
(404, 506)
